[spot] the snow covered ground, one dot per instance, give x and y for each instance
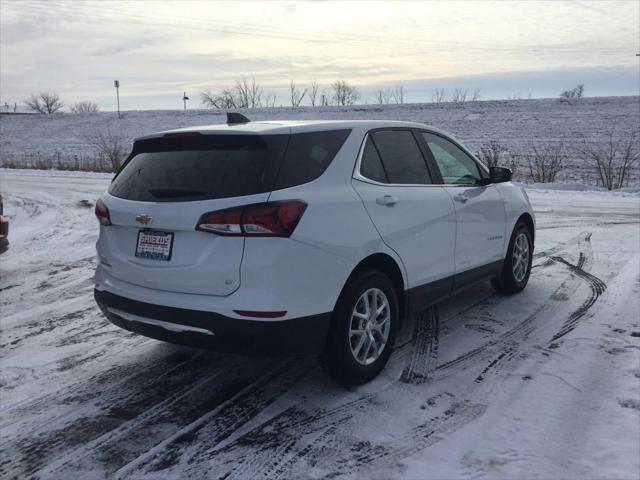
(515, 124)
(545, 384)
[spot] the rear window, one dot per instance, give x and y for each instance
(308, 156)
(190, 167)
(199, 167)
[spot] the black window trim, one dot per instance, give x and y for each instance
(433, 174)
(482, 169)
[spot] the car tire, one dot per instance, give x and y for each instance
(344, 357)
(516, 268)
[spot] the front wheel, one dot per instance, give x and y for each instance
(517, 264)
(363, 329)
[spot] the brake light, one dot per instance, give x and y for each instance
(102, 213)
(271, 219)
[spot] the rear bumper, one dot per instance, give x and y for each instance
(209, 330)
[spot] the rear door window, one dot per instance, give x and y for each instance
(199, 167)
(308, 156)
(401, 157)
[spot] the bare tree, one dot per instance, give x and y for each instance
(398, 94)
(545, 162)
(343, 93)
(573, 94)
(109, 145)
(382, 97)
(613, 159)
(491, 154)
(314, 88)
(45, 102)
(208, 99)
(225, 99)
(459, 95)
(296, 94)
(475, 96)
(248, 93)
(85, 106)
(325, 97)
(269, 100)
(439, 95)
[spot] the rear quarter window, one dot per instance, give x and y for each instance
(308, 155)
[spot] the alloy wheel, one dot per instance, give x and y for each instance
(520, 257)
(369, 326)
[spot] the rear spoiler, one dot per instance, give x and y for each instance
(235, 118)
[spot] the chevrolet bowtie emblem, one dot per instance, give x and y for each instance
(144, 219)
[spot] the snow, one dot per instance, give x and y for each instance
(544, 384)
(515, 124)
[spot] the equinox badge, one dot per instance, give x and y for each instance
(144, 219)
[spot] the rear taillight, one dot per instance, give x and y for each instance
(102, 213)
(271, 219)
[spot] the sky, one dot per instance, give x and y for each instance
(157, 50)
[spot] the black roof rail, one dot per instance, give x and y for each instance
(233, 117)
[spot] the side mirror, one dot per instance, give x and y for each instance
(499, 174)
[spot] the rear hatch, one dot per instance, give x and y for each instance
(156, 200)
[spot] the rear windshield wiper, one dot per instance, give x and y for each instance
(175, 192)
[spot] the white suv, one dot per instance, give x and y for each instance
(303, 237)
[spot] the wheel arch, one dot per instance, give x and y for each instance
(386, 264)
(527, 219)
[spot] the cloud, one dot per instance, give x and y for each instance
(78, 48)
(118, 48)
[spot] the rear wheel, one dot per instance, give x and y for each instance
(363, 329)
(517, 264)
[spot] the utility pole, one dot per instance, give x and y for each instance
(184, 100)
(116, 83)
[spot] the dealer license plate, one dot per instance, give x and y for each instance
(154, 245)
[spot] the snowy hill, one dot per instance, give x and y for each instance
(515, 124)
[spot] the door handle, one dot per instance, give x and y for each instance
(387, 200)
(460, 198)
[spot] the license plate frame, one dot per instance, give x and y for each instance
(150, 250)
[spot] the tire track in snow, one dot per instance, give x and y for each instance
(521, 330)
(515, 338)
(597, 288)
(205, 432)
(369, 457)
(69, 433)
(116, 384)
(424, 353)
(282, 441)
(138, 434)
(582, 237)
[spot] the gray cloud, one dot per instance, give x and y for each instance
(78, 48)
